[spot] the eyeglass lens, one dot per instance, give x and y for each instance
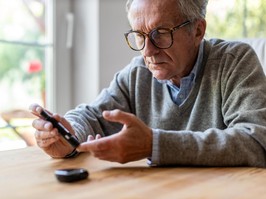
(161, 38)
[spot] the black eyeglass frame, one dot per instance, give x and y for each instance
(170, 30)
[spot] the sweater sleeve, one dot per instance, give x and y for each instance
(87, 119)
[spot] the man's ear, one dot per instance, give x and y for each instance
(200, 28)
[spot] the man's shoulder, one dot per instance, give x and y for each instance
(231, 55)
(220, 47)
(137, 61)
(136, 64)
(136, 69)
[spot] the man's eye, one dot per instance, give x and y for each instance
(160, 33)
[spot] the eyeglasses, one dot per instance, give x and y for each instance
(162, 38)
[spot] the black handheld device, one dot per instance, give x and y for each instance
(71, 175)
(61, 129)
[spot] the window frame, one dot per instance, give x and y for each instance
(59, 59)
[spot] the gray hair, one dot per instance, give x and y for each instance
(189, 9)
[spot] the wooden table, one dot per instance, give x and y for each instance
(29, 173)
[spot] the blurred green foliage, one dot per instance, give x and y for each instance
(245, 19)
(21, 25)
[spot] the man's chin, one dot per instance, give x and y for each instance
(159, 76)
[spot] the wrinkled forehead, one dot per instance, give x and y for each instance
(159, 12)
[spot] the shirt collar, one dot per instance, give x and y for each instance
(193, 74)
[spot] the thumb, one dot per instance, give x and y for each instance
(118, 116)
(63, 121)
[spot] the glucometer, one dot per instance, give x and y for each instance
(71, 175)
(61, 129)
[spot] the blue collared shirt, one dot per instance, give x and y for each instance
(180, 94)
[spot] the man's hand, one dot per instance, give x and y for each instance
(133, 142)
(47, 136)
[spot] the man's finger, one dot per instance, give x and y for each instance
(94, 145)
(118, 116)
(41, 124)
(88, 146)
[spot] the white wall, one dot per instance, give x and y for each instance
(85, 65)
(115, 54)
(99, 49)
(59, 81)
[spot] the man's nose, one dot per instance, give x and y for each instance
(149, 49)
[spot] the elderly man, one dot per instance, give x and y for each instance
(184, 101)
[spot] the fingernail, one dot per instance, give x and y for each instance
(106, 113)
(90, 138)
(47, 126)
(98, 136)
(39, 109)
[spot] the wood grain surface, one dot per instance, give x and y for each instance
(29, 173)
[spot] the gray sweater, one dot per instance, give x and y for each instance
(222, 122)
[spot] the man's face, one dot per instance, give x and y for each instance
(177, 61)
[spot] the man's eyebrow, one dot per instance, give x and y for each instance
(157, 27)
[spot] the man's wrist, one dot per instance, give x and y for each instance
(73, 154)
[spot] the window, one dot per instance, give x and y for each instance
(25, 47)
(236, 19)
(35, 64)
